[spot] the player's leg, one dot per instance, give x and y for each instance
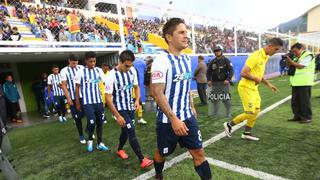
(201, 165)
(99, 113)
(158, 163)
(63, 107)
(140, 115)
(166, 144)
(89, 112)
(57, 107)
(252, 119)
(76, 115)
(193, 142)
(248, 102)
(129, 116)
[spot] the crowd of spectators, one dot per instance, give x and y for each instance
(51, 24)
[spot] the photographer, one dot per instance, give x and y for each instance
(301, 81)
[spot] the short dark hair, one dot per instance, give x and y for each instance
(170, 26)
(104, 64)
(15, 28)
(275, 42)
(73, 57)
(54, 66)
(89, 54)
(297, 45)
(126, 55)
(201, 57)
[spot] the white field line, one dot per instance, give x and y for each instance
(212, 140)
(244, 170)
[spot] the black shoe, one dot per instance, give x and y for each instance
(305, 121)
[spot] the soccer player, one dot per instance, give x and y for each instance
(176, 121)
(54, 83)
(252, 75)
(68, 74)
(87, 82)
(119, 99)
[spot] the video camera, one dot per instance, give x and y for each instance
(291, 69)
(289, 54)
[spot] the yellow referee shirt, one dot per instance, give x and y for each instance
(257, 63)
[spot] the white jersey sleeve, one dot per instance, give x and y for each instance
(63, 74)
(78, 77)
(159, 69)
(135, 76)
(109, 81)
(50, 79)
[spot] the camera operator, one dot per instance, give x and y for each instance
(301, 81)
(220, 72)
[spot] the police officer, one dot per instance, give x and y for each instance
(219, 75)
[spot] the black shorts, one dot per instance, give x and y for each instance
(167, 140)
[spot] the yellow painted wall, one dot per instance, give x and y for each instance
(313, 20)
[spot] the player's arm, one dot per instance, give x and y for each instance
(268, 84)
(178, 126)
(245, 73)
(120, 120)
(78, 106)
(64, 87)
(137, 92)
(109, 81)
(77, 94)
(49, 87)
(66, 92)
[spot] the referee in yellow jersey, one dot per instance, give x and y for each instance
(251, 77)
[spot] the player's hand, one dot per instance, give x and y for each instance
(226, 82)
(209, 83)
(78, 106)
(70, 102)
(136, 105)
(273, 88)
(179, 127)
(120, 120)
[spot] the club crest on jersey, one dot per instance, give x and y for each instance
(157, 75)
(182, 77)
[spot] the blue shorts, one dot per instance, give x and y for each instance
(94, 113)
(167, 140)
(59, 101)
(128, 117)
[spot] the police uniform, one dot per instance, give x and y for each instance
(220, 70)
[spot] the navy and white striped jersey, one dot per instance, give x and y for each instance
(89, 80)
(120, 85)
(175, 72)
(68, 74)
(55, 81)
